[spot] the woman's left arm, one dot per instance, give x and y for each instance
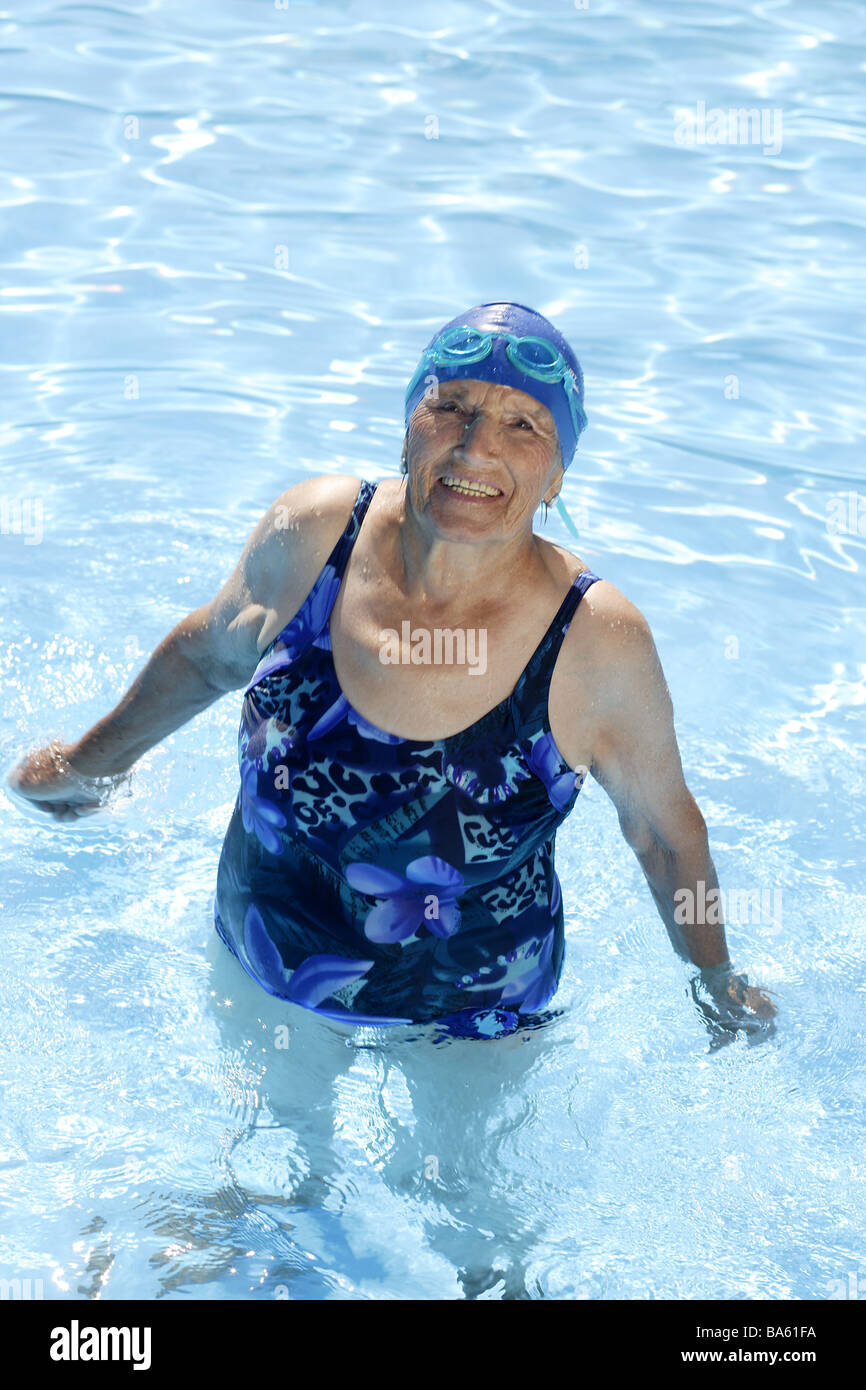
(637, 760)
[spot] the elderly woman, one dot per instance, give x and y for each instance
(426, 684)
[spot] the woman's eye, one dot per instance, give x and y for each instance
(454, 407)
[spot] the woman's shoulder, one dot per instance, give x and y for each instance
(603, 605)
(320, 498)
(315, 512)
(561, 562)
(607, 626)
(294, 540)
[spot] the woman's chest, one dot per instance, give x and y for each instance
(421, 679)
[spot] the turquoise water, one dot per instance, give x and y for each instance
(227, 232)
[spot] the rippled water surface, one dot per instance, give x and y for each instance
(227, 231)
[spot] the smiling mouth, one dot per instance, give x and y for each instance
(467, 489)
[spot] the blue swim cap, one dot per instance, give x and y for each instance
(501, 363)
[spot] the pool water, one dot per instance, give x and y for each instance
(228, 232)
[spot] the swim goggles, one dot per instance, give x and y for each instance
(535, 357)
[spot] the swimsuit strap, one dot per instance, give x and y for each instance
(339, 556)
(330, 578)
(530, 692)
(310, 623)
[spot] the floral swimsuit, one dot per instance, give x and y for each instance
(385, 880)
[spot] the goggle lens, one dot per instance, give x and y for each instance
(535, 355)
(462, 344)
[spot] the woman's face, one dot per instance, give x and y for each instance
(482, 433)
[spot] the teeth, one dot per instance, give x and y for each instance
(476, 489)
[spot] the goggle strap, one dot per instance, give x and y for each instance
(563, 512)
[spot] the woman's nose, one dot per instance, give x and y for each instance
(480, 437)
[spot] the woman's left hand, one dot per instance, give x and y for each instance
(735, 1007)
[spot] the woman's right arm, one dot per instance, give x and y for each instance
(212, 650)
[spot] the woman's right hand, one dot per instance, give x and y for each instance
(48, 781)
